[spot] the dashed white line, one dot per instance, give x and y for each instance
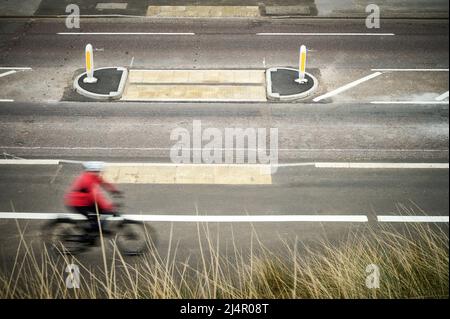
(14, 68)
(323, 34)
(412, 219)
(347, 87)
(126, 33)
(410, 70)
(7, 73)
(384, 165)
(6, 100)
(412, 102)
(442, 97)
(240, 218)
(28, 162)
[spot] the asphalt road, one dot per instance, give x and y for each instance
(335, 60)
(308, 132)
(140, 133)
(295, 191)
(322, 8)
(41, 123)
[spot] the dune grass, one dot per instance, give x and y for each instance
(413, 263)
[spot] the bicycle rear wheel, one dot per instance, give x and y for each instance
(65, 236)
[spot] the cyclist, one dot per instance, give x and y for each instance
(85, 196)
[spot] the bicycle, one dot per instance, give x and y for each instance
(74, 235)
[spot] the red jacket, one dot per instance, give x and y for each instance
(85, 191)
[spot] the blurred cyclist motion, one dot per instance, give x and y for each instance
(85, 196)
(72, 236)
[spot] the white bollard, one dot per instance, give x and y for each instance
(89, 54)
(302, 66)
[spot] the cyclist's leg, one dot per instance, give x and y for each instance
(78, 210)
(91, 227)
(101, 212)
(92, 217)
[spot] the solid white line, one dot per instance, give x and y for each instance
(324, 34)
(412, 102)
(384, 165)
(413, 219)
(187, 164)
(14, 68)
(65, 148)
(354, 165)
(6, 100)
(204, 218)
(126, 33)
(347, 87)
(254, 218)
(411, 70)
(7, 73)
(442, 96)
(44, 216)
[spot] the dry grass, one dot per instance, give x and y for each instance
(413, 263)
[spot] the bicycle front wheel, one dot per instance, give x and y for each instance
(134, 238)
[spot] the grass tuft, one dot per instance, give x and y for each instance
(413, 262)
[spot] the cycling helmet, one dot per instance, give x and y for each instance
(94, 166)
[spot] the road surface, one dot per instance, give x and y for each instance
(400, 117)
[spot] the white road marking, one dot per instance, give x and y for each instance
(204, 218)
(324, 34)
(126, 33)
(240, 218)
(442, 97)
(28, 162)
(251, 218)
(413, 219)
(384, 165)
(7, 73)
(12, 71)
(125, 164)
(38, 216)
(66, 148)
(410, 70)
(347, 87)
(105, 16)
(354, 165)
(14, 68)
(412, 102)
